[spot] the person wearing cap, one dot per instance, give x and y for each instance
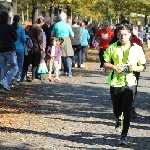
(104, 35)
(19, 46)
(7, 52)
(63, 31)
(123, 58)
(46, 29)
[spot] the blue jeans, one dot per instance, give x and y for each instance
(20, 60)
(67, 64)
(84, 53)
(11, 58)
(63, 62)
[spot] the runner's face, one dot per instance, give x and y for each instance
(106, 27)
(124, 36)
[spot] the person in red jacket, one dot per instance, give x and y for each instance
(104, 35)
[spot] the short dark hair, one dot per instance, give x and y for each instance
(16, 18)
(15, 22)
(56, 40)
(124, 21)
(125, 27)
(38, 21)
(127, 24)
(74, 21)
(117, 24)
(4, 17)
(86, 22)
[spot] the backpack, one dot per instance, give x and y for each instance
(29, 42)
(28, 45)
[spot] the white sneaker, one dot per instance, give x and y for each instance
(82, 66)
(76, 65)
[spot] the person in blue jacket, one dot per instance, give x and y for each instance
(19, 46)
(84, 43)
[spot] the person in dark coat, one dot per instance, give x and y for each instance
(35, 33)
(46, 29)
(7, 52)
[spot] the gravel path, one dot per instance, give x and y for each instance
(74, 114)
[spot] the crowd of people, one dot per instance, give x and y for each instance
(64, 45)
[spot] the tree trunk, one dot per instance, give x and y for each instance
(145, 20)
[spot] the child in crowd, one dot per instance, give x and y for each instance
(42, 69)
(55, 59)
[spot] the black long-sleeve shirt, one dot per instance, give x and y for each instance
(8, 37)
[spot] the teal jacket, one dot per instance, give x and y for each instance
(62, 29)
(85, 37)
(21, 39)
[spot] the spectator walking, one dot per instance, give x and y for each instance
(89, 27)
(84, 43)
(46, 29)
(62, 30)
(76, 44)
(19, 46)
(7, 52)
(27, 52)
(36, 35)
(40, 22)
(141, 32)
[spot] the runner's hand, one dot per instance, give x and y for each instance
(132, 67)
(118, 69)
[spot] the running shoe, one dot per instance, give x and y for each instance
(123, 140)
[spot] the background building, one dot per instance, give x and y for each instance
(10, 6)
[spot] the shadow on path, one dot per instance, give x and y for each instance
(85, 138)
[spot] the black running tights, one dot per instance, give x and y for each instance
(122, 98)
